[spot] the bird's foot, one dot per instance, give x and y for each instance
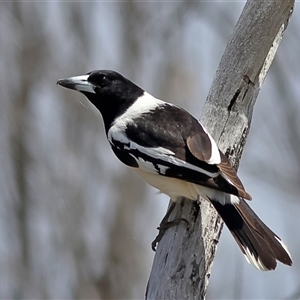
(163, 228)
(164, 225)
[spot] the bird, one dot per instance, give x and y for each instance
(173, 152)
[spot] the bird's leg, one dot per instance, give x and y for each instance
(165, 224)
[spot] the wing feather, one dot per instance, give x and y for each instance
(172, 143)
(202, 147)
(230, 173)
(194, 141)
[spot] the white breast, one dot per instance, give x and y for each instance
(176, 188)
(172, 187)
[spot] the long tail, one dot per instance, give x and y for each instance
(260, 245)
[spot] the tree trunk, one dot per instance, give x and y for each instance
(184, 257)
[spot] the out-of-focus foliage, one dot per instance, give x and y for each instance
(74, 222)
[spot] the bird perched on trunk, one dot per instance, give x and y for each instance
(174, 153)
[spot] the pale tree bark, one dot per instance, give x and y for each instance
(184, 257)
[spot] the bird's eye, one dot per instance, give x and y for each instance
(103, 81)
(99, 80)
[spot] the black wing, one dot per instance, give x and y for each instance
(171, 142)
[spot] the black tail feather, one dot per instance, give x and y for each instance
(261, 246)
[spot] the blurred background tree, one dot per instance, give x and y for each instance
(74, 223)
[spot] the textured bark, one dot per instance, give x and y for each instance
(184, 257)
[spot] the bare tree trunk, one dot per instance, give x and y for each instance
(183, 261)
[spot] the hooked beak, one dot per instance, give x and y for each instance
(78, 83)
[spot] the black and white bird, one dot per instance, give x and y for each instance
(174, 153)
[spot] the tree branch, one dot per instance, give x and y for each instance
(184, 257)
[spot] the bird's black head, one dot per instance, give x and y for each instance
(109, 91)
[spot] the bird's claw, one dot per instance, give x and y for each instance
(162, 229)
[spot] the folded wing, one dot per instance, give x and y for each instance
(175, 150)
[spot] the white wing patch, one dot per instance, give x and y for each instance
(215, 157)
(162, 169)
(155, 153)
(146, 165)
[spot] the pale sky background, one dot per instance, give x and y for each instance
(74, 222)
